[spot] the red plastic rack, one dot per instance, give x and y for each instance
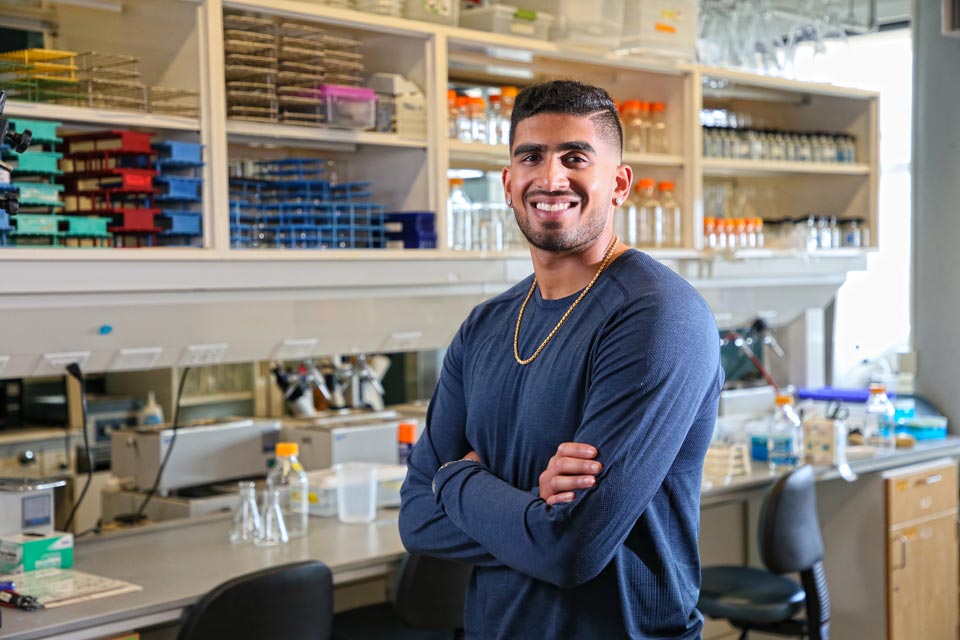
(111, 181)
(115, 140)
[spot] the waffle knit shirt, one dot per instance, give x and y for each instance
(635, 372)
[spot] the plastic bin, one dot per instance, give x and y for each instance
(44, 132)
(181, 223)
(38, 193)
(179, 188)
(174, 153)
(592, 23)
(667, 27)
(36, 162)
(438, 11)
(502, 18)
(348, 107)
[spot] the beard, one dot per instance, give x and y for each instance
(551, 236)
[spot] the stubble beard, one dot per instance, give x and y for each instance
(551, 236)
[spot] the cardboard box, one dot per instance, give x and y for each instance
(28, 551)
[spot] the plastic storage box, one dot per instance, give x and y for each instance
(667, 27)
(348, 107)
(502, 18)
(593, 23)
(438, 11)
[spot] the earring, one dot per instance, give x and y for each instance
(618, 201)
(509, 202)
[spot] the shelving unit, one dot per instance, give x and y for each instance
(722, 167)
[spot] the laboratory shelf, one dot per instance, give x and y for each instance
(476, 155)
(107, 117)
(723, 167)
(216, 398)
(293, 135)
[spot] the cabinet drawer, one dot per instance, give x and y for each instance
(920, 493)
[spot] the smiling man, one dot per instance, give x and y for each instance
(564, 443)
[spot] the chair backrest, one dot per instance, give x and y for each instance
(431, 592)
(292, 601)
(789, 530)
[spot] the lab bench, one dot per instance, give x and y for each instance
(178, 561)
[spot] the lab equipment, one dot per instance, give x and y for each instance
(289, 480)
(274, 530)
(356, 492)
(27, 504)
(878, 424)
(784, 435)
(247, 525)
(344, 436)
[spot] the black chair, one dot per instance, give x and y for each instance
(427, 605)
(752, 599)
(292, 601)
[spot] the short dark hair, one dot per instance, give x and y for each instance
(573, 98)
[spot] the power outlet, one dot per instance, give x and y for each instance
(55, 364)
(136, 359)
(198, 355)
(295, 349)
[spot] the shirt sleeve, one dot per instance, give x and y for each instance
(654, 376)
(424, 527)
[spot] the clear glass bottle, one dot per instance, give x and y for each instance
(288, 478)
(710, 233)
(784, 435)
(634, 127)
(852, 236)
(247, 526)
(659, 136)
(758, 229)
(672, 215)
(507, 97)
(478, 120)
(878, 424)
(494, 115)
(464, 126)
(649, 215)
(824, 235)
(451, 113)
(459, 217)
(834, 233)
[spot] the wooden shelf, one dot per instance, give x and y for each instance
(216, 398)
(729, 167)
(483, 156)
(107, 117)
(240, 131)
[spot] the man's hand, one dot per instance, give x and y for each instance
(572, 467)
(471, 456)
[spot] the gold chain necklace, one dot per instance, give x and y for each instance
(516, 334)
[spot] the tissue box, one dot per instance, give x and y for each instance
(28, 551)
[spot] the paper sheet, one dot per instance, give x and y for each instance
(59, 587)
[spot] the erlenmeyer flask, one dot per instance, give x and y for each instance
(274, 530)
(247, 525)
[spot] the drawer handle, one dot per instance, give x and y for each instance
(934, 479)
(903, 553)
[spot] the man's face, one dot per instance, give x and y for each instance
(563, 180)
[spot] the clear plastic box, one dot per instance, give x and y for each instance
(507, 19)
(667, 27)
(592, 23)
(348, 107)
(439, 11)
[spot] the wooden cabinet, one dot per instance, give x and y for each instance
(922, 552)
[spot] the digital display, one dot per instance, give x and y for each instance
(37, 511)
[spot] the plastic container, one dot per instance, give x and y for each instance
(878, 425)
(44, 132)
(151, 413)
(290, 480)
(356, 492)
(666, 27)
(36, 162)
(406, 438)
(323, 489)
(507, 19)
(439, 11)
(349, 107)
(592, 23)
(784, 436)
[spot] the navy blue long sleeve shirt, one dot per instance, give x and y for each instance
(634, 372)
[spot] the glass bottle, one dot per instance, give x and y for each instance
(464, 126)
(851, 236)
(672, 215)
(478, 120)
(451, 113)
(247, 525)
(758, 229)
(274, 530)
(459, 217)
(507, 97)
(784, 435)
(494, 115)
(878, 425)
(633, 127)
(824, 235)
(649, 215)
(659, 136)
(710, 233)
(834, 233)
(289, 480)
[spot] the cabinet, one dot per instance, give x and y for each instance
(289, 294)
(921, 558)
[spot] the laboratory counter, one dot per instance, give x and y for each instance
(178, 561)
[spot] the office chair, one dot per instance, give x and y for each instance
(427, 605)
(753, 599)
(291, 601)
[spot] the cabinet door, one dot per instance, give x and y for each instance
(923, 577)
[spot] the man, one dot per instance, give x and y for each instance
(564, 443)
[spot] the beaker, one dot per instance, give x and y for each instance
(247, 525)
(274, 531)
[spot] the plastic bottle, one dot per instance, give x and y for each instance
(649, 215)
(634, 128)
(459, 217)
(878, 425)
(288, 478)
(784, 435)
(659, 138)
(151, 413)
(494, 116)
(672, 215)
(507, 97)
(406, 438)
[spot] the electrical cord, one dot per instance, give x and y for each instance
(73, 370)
(139, 515)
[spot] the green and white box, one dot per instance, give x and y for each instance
(28, 551)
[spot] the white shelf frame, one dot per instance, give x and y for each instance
(736, 167)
